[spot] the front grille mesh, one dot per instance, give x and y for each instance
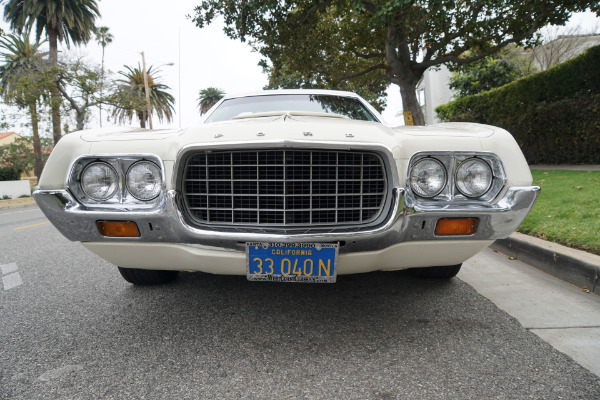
(284, 187)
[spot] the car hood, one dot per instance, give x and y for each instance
(281, 130)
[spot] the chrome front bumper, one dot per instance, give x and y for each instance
(407, 221)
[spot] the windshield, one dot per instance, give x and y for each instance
(347, 106)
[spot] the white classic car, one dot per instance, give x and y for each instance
(292, 185)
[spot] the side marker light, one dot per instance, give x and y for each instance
(456, 226)
(118, 228)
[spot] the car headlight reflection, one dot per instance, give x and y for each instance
(144, 181)
(473, 177)
(428, 177)
(99, 181)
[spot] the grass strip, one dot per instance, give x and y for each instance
(568, 209)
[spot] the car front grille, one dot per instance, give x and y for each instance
(284, 187)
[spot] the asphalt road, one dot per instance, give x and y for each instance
(72, 328)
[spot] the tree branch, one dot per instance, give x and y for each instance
(359, 54)
(70, 99)
(454, 57)
(355, 75)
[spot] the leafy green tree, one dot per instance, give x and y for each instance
(20, 155)
(371, 41)
(25, 80)
(505, 66)
(104, 38)
(62, 20)
(209, 97)
(485, 74)
(130, 96)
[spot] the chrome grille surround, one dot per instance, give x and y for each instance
(284, 188)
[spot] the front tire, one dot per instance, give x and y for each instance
(147, 276)
(446, 272)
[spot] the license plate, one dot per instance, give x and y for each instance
(292, 262)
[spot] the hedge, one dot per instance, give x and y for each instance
(554, 115)
(10, 174)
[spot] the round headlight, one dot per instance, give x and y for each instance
(428, 177)
(99, 181)
(144, 180)
(474, 177)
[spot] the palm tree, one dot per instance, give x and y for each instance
(130, 99)
(24, 81)
(103, 37)
(209, 97)
(63, 20)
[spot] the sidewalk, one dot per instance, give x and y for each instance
(16, 203)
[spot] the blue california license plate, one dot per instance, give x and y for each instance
(292, 262)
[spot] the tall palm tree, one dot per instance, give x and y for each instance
(62, 20)
(23, 82)
(209, 97)
(103, 37)
(131, 96)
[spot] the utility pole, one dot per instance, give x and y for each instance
(147, 89)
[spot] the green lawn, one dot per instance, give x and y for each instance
(568, 209)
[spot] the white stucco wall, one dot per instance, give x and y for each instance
(14, 189)
(435, 85)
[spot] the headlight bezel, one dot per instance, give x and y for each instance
(452, 160)
(120, 163)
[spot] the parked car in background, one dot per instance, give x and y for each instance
(292, 185)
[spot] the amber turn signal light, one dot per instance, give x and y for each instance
(456, 226)
(118, 228)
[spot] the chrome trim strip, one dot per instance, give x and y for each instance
(406, 222)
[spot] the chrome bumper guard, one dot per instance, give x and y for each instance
(407, 221)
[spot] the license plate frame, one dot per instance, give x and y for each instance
(281, 262)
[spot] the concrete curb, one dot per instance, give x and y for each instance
(574, 266)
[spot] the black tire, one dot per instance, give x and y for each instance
(147, 276)
(446, 272)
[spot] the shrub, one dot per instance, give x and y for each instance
(8, 173)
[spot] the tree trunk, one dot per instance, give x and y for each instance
(402, 72)
(55, 96)
(80, 118)
(101, 86)
(37, 146)
(142, 117)
(410, 101)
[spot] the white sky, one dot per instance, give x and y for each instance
(207, 57)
